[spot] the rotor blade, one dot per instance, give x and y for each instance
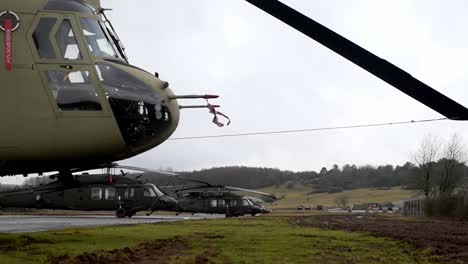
(364, 59)
(197, 181)
(204, 187)
(144, 170)
(160, 172)
(250, 191)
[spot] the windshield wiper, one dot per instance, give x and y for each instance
(113, 34)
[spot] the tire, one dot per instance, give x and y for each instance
(121, 213)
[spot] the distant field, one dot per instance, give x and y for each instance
(297, 196)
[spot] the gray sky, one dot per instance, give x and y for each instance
(271, 77)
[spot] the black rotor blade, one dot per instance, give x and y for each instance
(364, 59)
(166, 173)
(250, 191)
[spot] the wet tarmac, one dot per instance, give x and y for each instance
(32, 223)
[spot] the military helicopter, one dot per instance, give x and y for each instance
(99, 192)
(71, 100)
(218, 199)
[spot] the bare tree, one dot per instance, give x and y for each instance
(426, 157)
(342, 201)
(452, 165)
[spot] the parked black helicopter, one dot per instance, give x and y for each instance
(100, 192)
(127, 194)
(218, 199)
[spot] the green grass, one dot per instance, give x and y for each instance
(297, 196)
(244, 240)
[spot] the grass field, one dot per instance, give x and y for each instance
(297, 196)
(243, 240)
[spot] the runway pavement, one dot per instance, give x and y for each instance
(32, 223)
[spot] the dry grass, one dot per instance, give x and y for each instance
(298, 196)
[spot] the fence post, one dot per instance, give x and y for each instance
(419, 208)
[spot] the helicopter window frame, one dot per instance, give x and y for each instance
(158, 192)
(129, 193)
(96, 194)
(213, 203)
(96, 50)
(106, 110)
(58, 59)
(44, 45)
(72, 41)
(221, 203)
(148, 192)
(72, 91)
(110, 193)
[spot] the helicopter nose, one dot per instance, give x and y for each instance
(264, 210)
(169, 202)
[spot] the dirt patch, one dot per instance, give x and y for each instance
(206, 256)
(209, 235)
(22, 241)
(7, 245)
(161, 251)
(446, 238)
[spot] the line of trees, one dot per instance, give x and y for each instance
(438, 169)
(441, 166)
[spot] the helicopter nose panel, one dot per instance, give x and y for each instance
(167, 202)
(142, 113)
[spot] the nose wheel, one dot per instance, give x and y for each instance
(121, 213)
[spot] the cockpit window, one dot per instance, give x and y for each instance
(122, 85)
(98, 42)
(41, 37)
(66, 42)
(149, 192)
(157, 191)
(246, 202)
(69, 6)
(73, 90)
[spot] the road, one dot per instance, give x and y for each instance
(32, 223)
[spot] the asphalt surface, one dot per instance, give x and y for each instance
(31, 223)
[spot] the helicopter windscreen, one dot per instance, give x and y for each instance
(247, 202)
(99, 43)
(152, 191)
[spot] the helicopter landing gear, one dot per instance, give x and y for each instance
(121, 213)
(150, 213)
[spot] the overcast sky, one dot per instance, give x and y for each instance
(270, 77)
